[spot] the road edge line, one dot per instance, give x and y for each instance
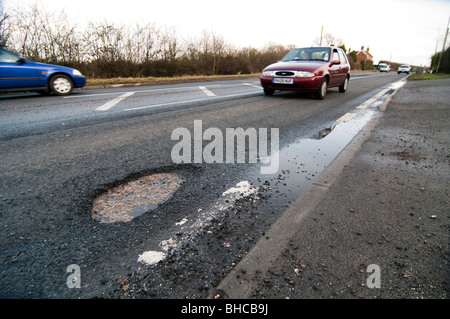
(243, 279)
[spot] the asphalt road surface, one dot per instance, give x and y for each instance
(59, 153)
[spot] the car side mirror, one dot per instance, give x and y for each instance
(22, 61)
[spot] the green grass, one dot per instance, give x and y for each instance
(164, 80)
(427, 76)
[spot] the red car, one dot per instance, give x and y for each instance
(312, 69)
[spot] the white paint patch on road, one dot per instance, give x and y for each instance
(151, 257)
(346, 117)
(372, 100)
(398, 84)
(243, 189)
(206, 91)
(107, 106)
(253, 85)
(181, 222)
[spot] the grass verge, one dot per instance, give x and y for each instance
(427, 76)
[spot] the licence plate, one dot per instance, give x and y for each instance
(283, 80)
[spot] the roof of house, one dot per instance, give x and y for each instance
(365, 52)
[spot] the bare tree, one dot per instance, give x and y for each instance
(142, 43)
(168, 44)
(4, 34)
(329, 39)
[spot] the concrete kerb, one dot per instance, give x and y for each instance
(244, 278)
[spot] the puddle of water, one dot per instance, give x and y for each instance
(132, 199)
(301, 162)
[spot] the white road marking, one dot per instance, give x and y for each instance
(253, 85)
(372, 100)
(206, 91)
(107, 106)
(189, 101)
(346, 117)
(140, 91)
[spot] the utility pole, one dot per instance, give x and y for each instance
(443, 46)
(321, 34)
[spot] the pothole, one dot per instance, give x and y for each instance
(129, 200)
(323, 133)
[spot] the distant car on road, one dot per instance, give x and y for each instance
(20, 74)
(404, 69)
(312, 69)
(385, 68)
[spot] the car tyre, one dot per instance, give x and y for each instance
(61, 84)
(343, 86)
(269, 92)
(322, 91)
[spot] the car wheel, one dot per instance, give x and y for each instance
(61, 84)
(322, 91)
(268, 92)
(344, 86)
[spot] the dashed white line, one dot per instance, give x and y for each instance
(206, 91)
(112, 103)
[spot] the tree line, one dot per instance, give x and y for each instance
(444, 66)
(106, 50)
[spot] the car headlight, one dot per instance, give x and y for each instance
(304, 74)
(76, 72)
(268, 73)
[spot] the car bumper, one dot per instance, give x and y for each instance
(299, 84)
(79, 81)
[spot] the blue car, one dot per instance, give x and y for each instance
(20, 74)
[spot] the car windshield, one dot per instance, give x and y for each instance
(308, 54)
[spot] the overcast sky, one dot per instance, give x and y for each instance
(405, 31)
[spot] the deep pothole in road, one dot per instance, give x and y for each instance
(130, 199)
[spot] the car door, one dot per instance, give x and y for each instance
(335, 69)
(345, 66)
(18, 73)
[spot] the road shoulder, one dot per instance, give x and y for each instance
(388, 207)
